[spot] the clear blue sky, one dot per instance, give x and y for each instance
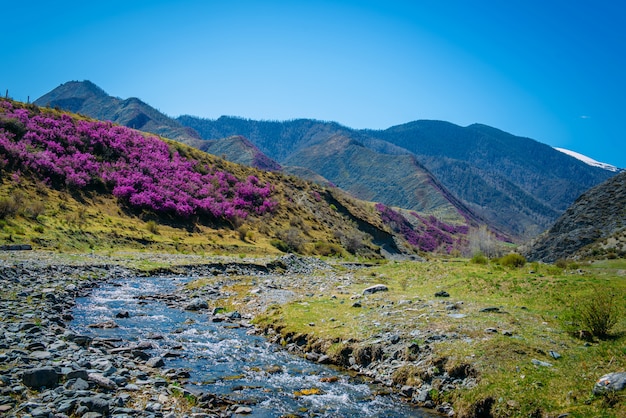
(554, 71)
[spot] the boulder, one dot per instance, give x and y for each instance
(376, 288)
(95, 404)
(612, 382)
(102, 381)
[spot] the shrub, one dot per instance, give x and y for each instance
(479, 258)
(561, 263)
(34, 210)
(513, 260)
(293, 239)
(152, 227)
(327, 249)
(429, 235)
(597, 313)
(280, 245)
(143, 171)
(8, 207)
(242, 231)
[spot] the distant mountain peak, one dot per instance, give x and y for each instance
(588, 160)
(88, 99)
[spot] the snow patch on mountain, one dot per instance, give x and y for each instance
(588, 160)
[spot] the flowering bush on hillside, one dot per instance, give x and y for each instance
(430, 235)
(141, 170)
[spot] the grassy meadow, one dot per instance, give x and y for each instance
(534, 316)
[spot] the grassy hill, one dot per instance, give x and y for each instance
(71, 182)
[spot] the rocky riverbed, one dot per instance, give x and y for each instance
(48, 370)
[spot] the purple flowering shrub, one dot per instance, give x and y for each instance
(141, 170)
(431, 234)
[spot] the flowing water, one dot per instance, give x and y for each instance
(224, 359)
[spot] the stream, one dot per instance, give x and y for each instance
(224, 359)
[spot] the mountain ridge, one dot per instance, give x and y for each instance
(516, 185)
(86, 98)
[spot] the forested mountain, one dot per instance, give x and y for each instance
(516, 184)
(510, 180)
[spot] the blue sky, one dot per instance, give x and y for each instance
(554, 71)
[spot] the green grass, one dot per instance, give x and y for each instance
(533, 307)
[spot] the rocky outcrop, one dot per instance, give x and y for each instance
(597, 215)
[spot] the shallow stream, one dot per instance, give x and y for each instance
(223, 358)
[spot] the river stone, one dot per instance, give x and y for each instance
(77, 374)
(612, 382)
(104, 325)
(442, 294)
(95, 404)
(423, 395)
(155, 362)
(40, 412)
(37, 378)
(376, 288)
(102, 381)
(243, 410)
(196, 305)
(40, 355)
(407, 391)
(77, 384)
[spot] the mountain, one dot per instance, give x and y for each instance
(516, 185)
(588, 160)
(594, 225)
(397, 180)
(72, 182)
(86, 98)
(238, 150)
(366, 167)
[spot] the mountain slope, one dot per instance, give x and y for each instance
(596, 220)
(238, 150)
(397, 180)
(86, 98)
(515, 182)
(67, 181)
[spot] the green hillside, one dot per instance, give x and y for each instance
(69, 182)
